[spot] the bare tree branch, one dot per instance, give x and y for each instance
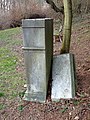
(53, 6)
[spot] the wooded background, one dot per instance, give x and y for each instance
(13, 11)
(79, 6)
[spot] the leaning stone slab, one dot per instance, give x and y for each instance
(63, 75)
(38, 53)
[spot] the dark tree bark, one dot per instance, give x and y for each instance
(53, 6)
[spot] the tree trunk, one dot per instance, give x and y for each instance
(67, 26)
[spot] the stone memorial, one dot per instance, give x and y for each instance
(38, 54)
(64, 78)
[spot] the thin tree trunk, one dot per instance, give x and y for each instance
(67, 26)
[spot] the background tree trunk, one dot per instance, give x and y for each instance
(67, 23)
(67, 26)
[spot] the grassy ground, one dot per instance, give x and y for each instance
(12, 79)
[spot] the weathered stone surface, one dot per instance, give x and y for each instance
(37, 33)
(38, 52)
(35, 62)
(63, 75)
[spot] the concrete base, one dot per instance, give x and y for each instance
(35, 96)
(63, 75)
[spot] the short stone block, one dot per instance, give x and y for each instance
(63, 75)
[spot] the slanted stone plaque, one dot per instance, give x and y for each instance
(38, 53)
(63, 75)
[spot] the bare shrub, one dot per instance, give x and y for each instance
(5, 20)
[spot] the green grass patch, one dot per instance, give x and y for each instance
(8, 33)
(11, 80)
(2, 106)
(1, 94)
(7, 60)
(10, 37)
(64, 110)
(20, 108)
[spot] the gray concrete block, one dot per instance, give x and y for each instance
(63, 75)
(38, 53)
(35, 62)
(37, 32)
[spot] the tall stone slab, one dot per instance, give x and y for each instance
(38, 53)
(64, 77)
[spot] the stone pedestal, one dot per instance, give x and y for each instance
(38, 53)
(63, 75)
